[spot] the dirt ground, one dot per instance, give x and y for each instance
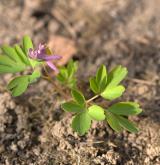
(33, 128)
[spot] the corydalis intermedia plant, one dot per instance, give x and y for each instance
(105, 85)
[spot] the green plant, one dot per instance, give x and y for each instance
(67, 76)
(23, 57)
(106, 85)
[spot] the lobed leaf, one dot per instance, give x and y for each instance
(11, 53)
(81, 123)
(27, 44)
(72, 83)
(96, 112)
(113, 122)
(67, 74)
(125, 123)
(63, 75)
(112, 93)
(7, 61)
(101, 78)
(71, 68)
(116, 76)
(93, 85)
(72, 107)
(6, 69)
(7, 65)
(18, 85)
(125, 108)
(99, 82)
(22, 55)
(78, 97)
(117, 123)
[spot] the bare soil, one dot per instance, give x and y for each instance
(34, 130)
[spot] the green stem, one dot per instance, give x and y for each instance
(56, 86)
(92, 98)
(61, 91)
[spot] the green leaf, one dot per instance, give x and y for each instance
(67, 75)
(7, 65)
(60, 78)
(7, 61)
(81, 123)
(113, 122)
(72, 83)
(64, 72)
(6, 69)
(112, 93)
(34, 76)
(101, 78)
(125, 123)
(72, 107)
(22, 55)
(78, 96)
(96, 112)
(117, 123)
(125, 108)
(71, 68)
(11, 53)
(116, 76)
(27, 44)
(63, 75)
(93, 85)
(18, 85)
(101, 74)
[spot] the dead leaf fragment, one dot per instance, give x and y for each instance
(62, 46)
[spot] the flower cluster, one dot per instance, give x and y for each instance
(42, 53)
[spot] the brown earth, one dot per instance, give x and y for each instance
(33, 128)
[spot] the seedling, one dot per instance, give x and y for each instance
(67, 76)
(104, 84)
(107, 86)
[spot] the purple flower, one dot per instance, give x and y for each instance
(42, 53)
